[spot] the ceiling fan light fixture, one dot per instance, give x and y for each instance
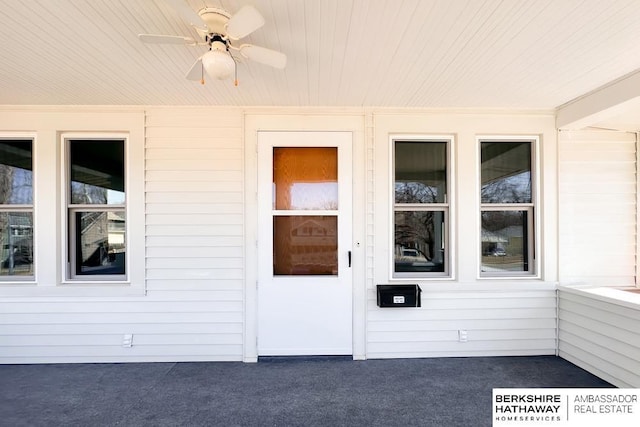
(218, 64)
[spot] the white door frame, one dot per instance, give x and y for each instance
(350, 122)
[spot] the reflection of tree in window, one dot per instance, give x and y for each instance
(6, 180)
(88, 194)
(499, 220)
(415, 192)
(416, 231)
(510, 189)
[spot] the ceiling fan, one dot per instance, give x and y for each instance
(221, 30)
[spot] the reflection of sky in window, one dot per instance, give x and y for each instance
(115, 197)
(314, 195)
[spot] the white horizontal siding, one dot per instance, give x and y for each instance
(497, 324)
(109, 340)
(179, 197)
(147, 306)
(194, 227)
(27, 331)
(601, 336)
(80, 353)
(597, 207)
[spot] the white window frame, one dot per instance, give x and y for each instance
(68, 249)
(532, 209)
(446, 208)
(23, 208)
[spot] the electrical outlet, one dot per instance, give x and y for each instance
(127, 340)
(462, 335)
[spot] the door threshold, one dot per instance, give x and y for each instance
(303, 359)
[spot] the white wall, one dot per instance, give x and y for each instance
(195, 227)
(194, 298)
(597, 207)
(186, 247)
(598, 324)
(501, 317)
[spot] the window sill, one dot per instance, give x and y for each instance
(514, 277)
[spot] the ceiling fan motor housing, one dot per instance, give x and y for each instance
(215, 19)
(217, 42)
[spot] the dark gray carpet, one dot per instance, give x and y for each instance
(274, 392)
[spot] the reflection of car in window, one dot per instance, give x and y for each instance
(410, 253)
(495, 252)
(412, 260)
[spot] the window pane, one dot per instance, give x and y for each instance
(305, 245)
(305, 178)
(419, 241)
(506, 172)
(420, 172)
(504, 241)
(16, 176)
(16, 244)
(100, 242)
(97, 172)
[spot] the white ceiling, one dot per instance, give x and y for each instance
(511, 54)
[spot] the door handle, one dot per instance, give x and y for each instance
(349, 259)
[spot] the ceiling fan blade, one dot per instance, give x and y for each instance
(186, 12)
(263, 55)
(244, 22)
(196, 72)
(162, 39)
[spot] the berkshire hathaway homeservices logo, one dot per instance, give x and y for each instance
(527, 407)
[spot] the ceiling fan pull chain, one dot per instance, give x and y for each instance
(235, 63)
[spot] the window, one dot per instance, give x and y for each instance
(16, 209)
(96, 209)
(421, 208)
(507, 208)
(305, 179)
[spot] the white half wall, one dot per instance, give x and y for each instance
(599, 330)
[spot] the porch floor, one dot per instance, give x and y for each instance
(275, 392)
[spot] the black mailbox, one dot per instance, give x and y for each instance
(398, 295)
